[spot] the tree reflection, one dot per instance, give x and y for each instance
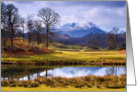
(28, 77)
(112, 70)
(67, 72)
(38, 75)
(48, 74)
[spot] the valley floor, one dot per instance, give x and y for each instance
(59, 54)
(70, 58)
(69, 88)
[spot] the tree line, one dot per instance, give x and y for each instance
(13, 24)
(111, 40)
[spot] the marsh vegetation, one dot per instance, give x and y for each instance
(78, 82)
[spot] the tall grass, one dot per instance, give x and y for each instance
(107, 81)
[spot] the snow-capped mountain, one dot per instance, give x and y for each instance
(108, 29)
(75, 26)
(79, 29)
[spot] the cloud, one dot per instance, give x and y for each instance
(100, 16)
(102, 13)
(89, 3)
(25, 2)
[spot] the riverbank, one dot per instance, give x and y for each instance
(69, 88)
(107, 81)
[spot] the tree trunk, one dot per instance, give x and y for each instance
(23, 33)
(4, 42)
(116, 41)
(12, 33)
(29, 37)
(47, 43)
(38, 37)
(9, 31)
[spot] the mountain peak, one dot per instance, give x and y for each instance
(79, 29)
(80, 25)
(88, 24)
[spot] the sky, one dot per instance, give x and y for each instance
(105, 14)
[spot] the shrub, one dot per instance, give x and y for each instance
(88, 78)
(40, 80)
(13, 83)
(20, 83)
(114, 85)
(100, 79)
(61, 81)
(96, 84)
(122, 78)
(50, 82)
(5, 83)
(77, 82)
(32, 83)
(25, 83)
(89, 84)
(105, 84)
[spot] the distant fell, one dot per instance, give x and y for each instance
(79, 29)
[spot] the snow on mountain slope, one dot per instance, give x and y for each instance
(79, 29)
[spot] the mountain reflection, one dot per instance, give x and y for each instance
(70, 72)
(83, 71)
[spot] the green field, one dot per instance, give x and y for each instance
(69, 88)
(92, 57)
(60, 54)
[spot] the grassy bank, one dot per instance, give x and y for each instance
(107, 81)
(59, 54)
(69, 58)
(69, 88)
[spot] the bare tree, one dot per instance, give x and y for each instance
(22, 24)
(30, 26)
(112, 38)
(3, 22)
(13, 20)
(115, 32)
(50, 18)
(38, 28)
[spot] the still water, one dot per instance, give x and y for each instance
(69, 72)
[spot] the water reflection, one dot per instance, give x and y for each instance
(70, 72)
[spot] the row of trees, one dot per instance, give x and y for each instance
(12, 25)
(12, 22)
(113, 39)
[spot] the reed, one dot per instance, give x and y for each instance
(107, 81)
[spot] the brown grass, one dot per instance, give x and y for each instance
(122, 52)
(107, 81)
(23, 48)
